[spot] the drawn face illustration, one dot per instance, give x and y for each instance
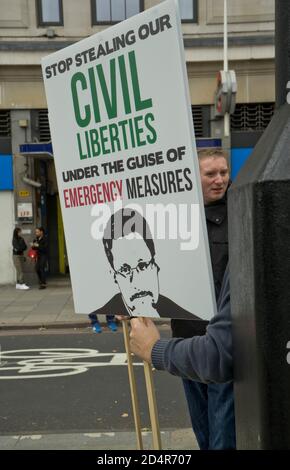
(136, 274)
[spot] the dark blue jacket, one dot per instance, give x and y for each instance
(206, 358)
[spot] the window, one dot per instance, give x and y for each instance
(113, 11)
(252, 116)
(49, 12)
(188, 11)
(5, 123)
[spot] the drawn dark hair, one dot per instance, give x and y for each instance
(122, 223)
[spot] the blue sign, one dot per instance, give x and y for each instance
(6, 173)
(208, 142)
(238, 158)
(36, 148)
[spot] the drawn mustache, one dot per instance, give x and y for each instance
(142, 293)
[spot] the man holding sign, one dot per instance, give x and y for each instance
(120, 153)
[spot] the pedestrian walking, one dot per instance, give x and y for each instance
(19, 246)
(40, 245)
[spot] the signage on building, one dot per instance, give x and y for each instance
(127, 170)
(6, 173)
(37, 150)
(24, 193)
(225, 94)
(24, 211)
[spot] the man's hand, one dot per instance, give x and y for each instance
(143, 336)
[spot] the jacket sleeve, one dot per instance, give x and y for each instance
(23, 244)
(19, 244)
(15, 244)
(205, 358)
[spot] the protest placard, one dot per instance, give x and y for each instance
(127, 170)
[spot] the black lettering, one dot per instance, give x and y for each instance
(187, 172)
(131, 188)
(48, 73)
(165, 22)
(171, 182)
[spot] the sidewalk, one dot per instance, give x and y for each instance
(48, 308)
(34, 308)
(179, 439)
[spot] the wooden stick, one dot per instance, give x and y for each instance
(156, 436)
(133, 389)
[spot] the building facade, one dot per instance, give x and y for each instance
(31, 29)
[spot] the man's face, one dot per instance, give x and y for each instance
(136, 275)
(38, 233)
(214, 174)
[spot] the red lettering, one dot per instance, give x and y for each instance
(119, 185)
(106, 192)
(80, 196)
(73, 195)
(93, 194)
(112, 187)
(65, 198)
(87, 196)
(99, 193)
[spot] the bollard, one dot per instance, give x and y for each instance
(259, 234)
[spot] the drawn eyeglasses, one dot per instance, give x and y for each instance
(126, 270)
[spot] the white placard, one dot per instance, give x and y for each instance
(122, 134)
(24, 210)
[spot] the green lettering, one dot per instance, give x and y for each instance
(94, 94)
(124, 83)
(80, 78)
(104, 139)
(153, 137)
(123, 124)
(88, 144)
(132, 133)
(110, 101)
(139, 103)
(139, 130)
(94, 137)
(114, 137)
(83, 156)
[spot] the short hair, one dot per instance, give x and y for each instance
(41, 229)
(214, 152)
(122, 223)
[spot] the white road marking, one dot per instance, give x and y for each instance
(60, 362)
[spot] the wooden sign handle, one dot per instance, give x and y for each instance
(133, 389)
(156, 436)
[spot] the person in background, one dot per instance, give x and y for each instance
(40, 245)
(96, 324)
(211, 406)
(19, 246)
